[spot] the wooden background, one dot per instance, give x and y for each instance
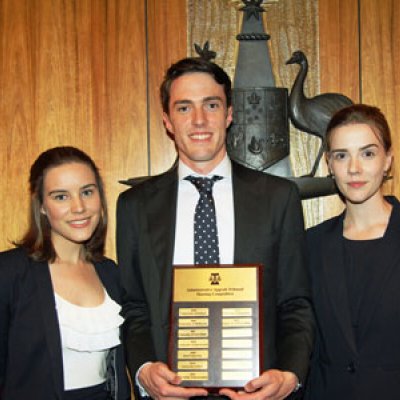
(359, 56)
(83, 73)
(86, 73)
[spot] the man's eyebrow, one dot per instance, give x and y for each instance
(204, 100)
(182, 102)
(210, 98)
(57, 191)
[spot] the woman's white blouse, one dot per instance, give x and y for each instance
(87, 334)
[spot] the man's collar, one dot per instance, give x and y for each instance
(224, 169)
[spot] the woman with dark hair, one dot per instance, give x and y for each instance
(59, 311)
(355, 267)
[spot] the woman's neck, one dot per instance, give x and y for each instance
(69, 252)
(368, 220)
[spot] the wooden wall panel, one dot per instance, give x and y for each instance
(121, 141)
(380, 74)
(71, 73)
(338, 47)
(17, 117)
(166, 44)
(359, 55)
(339, 62)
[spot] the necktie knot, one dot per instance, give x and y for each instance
(203, 184)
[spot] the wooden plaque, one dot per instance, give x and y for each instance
(215, 339)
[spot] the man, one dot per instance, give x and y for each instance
(259, 220)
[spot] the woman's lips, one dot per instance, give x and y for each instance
(357, 184)
(82, 223)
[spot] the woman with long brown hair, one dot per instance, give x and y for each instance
(59, 295)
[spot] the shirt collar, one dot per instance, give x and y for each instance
(224, 169)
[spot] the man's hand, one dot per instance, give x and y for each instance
(162, 383)
(271, 385)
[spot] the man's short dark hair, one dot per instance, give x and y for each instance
(190, 65)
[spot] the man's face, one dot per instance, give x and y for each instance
(198, 118)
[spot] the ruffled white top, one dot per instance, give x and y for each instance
(87, 335)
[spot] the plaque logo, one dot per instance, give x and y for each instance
(215, 278)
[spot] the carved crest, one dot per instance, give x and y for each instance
(259, 134)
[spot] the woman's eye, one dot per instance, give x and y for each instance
(87, 192)
(60, 197)
(368, 154)
(339, 156)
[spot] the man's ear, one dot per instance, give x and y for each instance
(229, 116)
(167, 122)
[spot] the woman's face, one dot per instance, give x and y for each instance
(71, 202)
(358, 161)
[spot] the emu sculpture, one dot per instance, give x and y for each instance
(312, 114)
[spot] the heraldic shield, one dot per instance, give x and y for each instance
(259, 134)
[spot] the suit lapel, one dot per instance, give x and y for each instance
(49, 321)
(389, 259)
(332, 253)
(160, 208)
(243, 198)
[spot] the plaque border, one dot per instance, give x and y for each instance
(259, 301)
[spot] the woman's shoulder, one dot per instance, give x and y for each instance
(14, 252)
(14, 266)
(17, 256)
(107, 269)
(106, 263)
(326, 226)
(394, 202)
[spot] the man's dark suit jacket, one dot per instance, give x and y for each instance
(343, 367)
(268, 230)
(31, 364)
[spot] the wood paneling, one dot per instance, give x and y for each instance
(166, 44)
(380, 74)
(17, 116)
(339, 63)
(359, 56)
(71, 73)
(84, 73)
(339, 47)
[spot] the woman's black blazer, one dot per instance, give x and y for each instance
(344, 366)
(30, 347)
